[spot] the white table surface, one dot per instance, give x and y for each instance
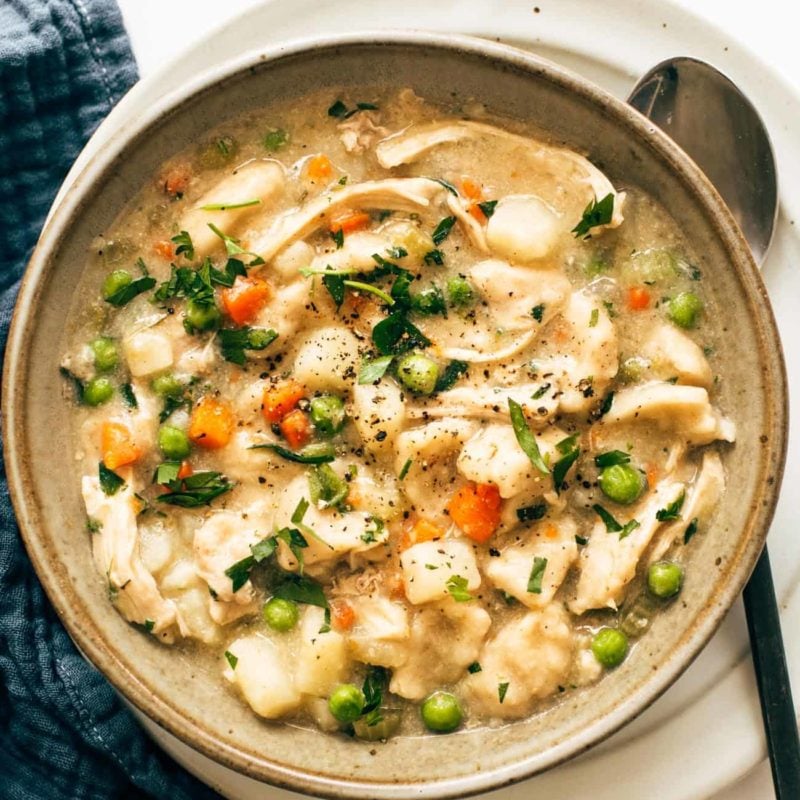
(159, 29)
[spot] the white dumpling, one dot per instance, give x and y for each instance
(326, 360)
(429, 566)
(381, 631)
(147, 353)
(671, 351)
(263, 675)
(523, 229)
(379, 414)
(526, 660)
(321, 659)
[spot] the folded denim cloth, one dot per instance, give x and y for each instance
(64, 733)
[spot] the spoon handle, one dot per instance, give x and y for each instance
(772, 676)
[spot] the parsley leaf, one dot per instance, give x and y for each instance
(434, 257)
(628, 528)
(374, 369)
(234, 341)
(537, 573)
(166, 473)
(396, 334)
(196, 490)
(457, 586)
(451, 373)
(526, 439)
(537, 312)
(231, 659)
(531, 513)
(502, 689)
(338, 238)
(540, 392)
(126, 390)
(124, 295)
(110, 482)
(335, 286)
(311, 454)
(326, 487)
(474, 667)
(487, 207)
(608, 401)
(340, 110)
(612, 526)
(185, 245)
(598, 212)
(691, 530)
(405, 469)
(673, 510)
(611, 459)
(300, 589)
(442, 230)
(570, 451)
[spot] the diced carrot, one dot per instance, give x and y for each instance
(212, 423)
(350, 222)
(652, 474)
(476, 212)
(176, 180)
(319, 167)
(245, 298)
(343, 615)
(165, 249)
(471, 189)
(117, 445)
(296, 428)
(551, 532)
(638, 298)
(475, 509)
(419, 530)
(280, 399)
(185, 470)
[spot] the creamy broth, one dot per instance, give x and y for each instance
(423, 419)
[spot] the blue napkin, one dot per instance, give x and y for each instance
(63, 731)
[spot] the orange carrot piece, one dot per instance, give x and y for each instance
(117, 445)
(185, 470)
(296, 428)
(350, 222)
(652, 474)
(471, 189)
(165, 249)
(280, 399)
(212, 423)
(419, 530)
(638, 298)
(475, 509)
(176, 180)
(551, 532)
(245, 298)
(343, 615)
(476, 212)
(319, 167)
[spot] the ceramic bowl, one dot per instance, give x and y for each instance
(186, 696)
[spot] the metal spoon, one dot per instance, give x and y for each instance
(709, 117)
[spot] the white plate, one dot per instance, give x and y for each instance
(705, 733)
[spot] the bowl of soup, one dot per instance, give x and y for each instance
(392, 416)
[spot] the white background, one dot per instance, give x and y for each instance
(160, 29)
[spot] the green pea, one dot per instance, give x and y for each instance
(173, 442)
(281, 615)
(460, 292)
(346, 703)
(633, 369)
(622, 483)
(428, 302)
(98, 391)
(327, 414)
(167, 386)
(105, 353)
(610, 646)
(275, 140)
(417, 373)
(201, 316)
(441, 712)
(684, 309)
(116, 280)
(665, 578)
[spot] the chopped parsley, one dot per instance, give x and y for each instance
(375, 684)
(326, 487)
(366, 287)
(338, 238)
(628, 528)
(611, 459)
(612, 526)
(525, 438)
(340, 111)
(126, 390)
(373, 370)
(581, 540)
(673, 510)
(227, 206)
(196, 490)
(537, 573)
(531, 513)
(605, 407)
(434, 257)
(594, 318)
(691, 530)
(442, 230)
(397, 334)
(502, 689)
(110, 482)
(569, 455)
(149, 624)
(233, 248)
(185, 246)
(405, 469)
(124, 295)
(487, 207)
(451, 373)
(598, 212)
(457, 586)
(234, 341)
(474, 667)
(231, 659)
(537, 312)
(320, 453)
(275, 140)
